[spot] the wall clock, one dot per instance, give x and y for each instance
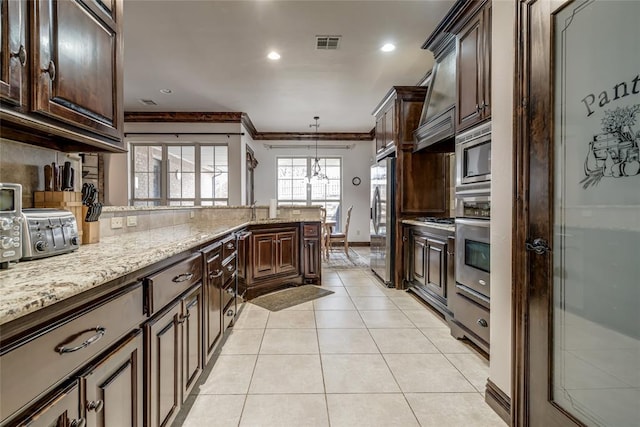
(356, 180)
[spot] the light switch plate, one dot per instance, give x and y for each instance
(295, 212)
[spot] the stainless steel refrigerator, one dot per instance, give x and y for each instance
(382, 219)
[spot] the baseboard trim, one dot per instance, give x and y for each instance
(498, 401)
(359, 244)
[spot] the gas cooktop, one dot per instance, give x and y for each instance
(436, 220)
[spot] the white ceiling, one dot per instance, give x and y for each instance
(212, 55)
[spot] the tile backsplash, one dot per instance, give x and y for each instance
(23, 164)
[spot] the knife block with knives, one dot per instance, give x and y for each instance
(68, 200)
(91, 210)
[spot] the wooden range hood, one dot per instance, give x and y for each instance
(436, 131)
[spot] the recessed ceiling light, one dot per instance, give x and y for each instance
(166, 91)
(273, 55)
(388, 47)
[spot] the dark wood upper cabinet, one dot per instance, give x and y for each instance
(397, 116)
(474, 70)
(61, 74)
(13, 51)
(76, 66)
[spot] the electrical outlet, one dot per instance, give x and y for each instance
(295, 212)
(192, 214)
(357, 232)
(116, 222)
(132, 221)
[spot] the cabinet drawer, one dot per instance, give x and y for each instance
(36, 365)
(228, 293)
(229, 314)
(472, 315)
(228, 247)
(166, 285)
(228, 269)
(311, 230)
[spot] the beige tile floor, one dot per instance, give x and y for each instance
(364, 356)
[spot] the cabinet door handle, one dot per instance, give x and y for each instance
(100, 331)
(51, 70)
(21, 54)
(482, 323)
(230, 245)
(230, 313)
(215, 274)
(482, 282)
(80, 422)
(231, 292)
(230, 267)
(95, 405)
(183, 317)
(484, 105)
(182, 277)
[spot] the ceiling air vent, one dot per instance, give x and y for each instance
(327, 42)
(148, 102)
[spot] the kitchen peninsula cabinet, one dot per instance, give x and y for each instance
(474, 68)
(311, 251)
(274, 255)
(76, 101)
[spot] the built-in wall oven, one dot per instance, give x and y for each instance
(473, 249)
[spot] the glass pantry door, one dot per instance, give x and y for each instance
(596, 261)
(578, 215)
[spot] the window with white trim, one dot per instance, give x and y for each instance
(190, 174)
(293, 188)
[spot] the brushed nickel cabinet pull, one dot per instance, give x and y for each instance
(215, 274)
(100, 331)
(80, 422)
(182, 277)
(231, 292)
(230, 313)
(230, 267)
(230, 245)
(95, 405)
(482, 323)
(21, 54)
(51, 70)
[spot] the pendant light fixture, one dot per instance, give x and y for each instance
(317, 176)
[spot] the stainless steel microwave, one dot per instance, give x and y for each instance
(473, 157)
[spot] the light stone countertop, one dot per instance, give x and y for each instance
(446, 227)
(31, 285)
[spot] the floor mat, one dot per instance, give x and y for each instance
(290, 297)
(339, 260)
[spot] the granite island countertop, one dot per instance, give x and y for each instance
(29, 286)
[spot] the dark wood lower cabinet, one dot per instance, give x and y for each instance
(60, 409)
(162, 342)
(213, 305)
(273, 256)
(192, 306)
(113, 387)
(427, 271)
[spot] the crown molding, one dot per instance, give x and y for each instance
(242, 118)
